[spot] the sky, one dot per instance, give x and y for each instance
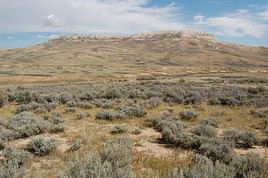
(27, 22)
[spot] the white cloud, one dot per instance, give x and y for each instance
(53, 21)
(88, 16)
(240, 23)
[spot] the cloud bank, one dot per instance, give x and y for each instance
(123, 16)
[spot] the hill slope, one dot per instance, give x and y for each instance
(147, 54)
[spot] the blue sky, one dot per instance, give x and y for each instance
(28, 22)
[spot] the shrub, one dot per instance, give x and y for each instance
(3, 99)
(41, 147)
(26, 124)
(186, 140)
(22, 108)
(205, 168)
(215, 149)
(133, 111)
(106, 115)
(240, 139)
(136, 131)
(72, 104)
(112, 162)
(210, 122)
(14, 163)
(56, 118)
(2, 144)
(76, 145)
(161, 124)
(259, 113)
(111, 93)
(153, 102)
(249, 165)
(119, 129)
(193, 97)
(187, 115)
(65, 97)
(205, 130)
(85, 105)
(82, 115)
(105, 104)
(70, 109)
(173, 95)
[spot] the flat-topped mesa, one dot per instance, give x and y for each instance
(140, 36)
(176, 34)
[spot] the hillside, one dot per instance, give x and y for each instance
(141, 55)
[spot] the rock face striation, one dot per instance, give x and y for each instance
(139, 36)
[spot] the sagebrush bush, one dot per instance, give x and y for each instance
(107, 115)
(76, 145)
(259, 113)
(22, 108)
(193, 97)
(119, 129)
(14, 163)
(215, 149)
(3, 99)
(211, 122)
(41, 147)
(82, 115)
(153, 102)
(85, 105)
(205, 130)
(188, 115)
(113, 161)
(240, 139)
(186, 140)
(205, 168)
(72, 104)
(26, 124)
(173, 95)
(133, 111)
(105, 103)
(249, 166)
(56, 118)
(70, 109)
(112, 93)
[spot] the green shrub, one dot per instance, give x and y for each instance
(3, 99)
(113, 161)
(205, 130)
(13, 166)
(111, 93)
(119, 129)
(107, 115)
(82, 115)
(205, 168)
(26, 124)
(250, 166)
(153, 102)
(187, 115)
(76, 145)
(56, 118)
(41, 147)
(210, 122)
(215, 149)
(133, 111)
(186, 140)
(70, 109)
(240, 139)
